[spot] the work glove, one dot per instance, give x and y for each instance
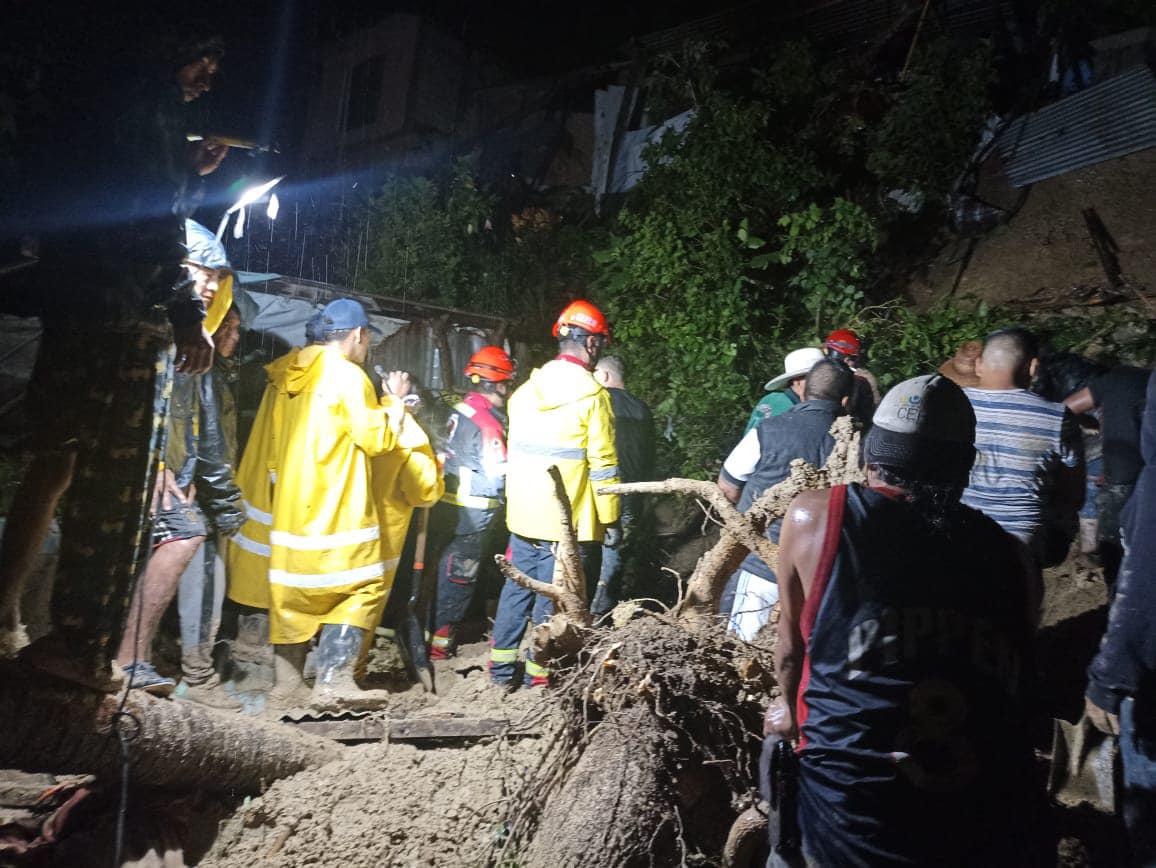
(613, 536)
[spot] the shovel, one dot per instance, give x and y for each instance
(1085, 765)
(411, 631)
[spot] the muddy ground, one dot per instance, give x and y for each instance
(399, 804)
(405, 805)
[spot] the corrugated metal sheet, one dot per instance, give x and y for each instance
(1108, 120)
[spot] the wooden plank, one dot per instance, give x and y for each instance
(415, 729)
(412, 729)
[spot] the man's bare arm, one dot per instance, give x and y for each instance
(731, 491)
(800, 546)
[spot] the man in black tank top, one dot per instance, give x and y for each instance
(903, 654)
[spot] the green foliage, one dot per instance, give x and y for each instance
(828, 245)
(426, 238)
(449, 242)
(732, 245)
(934, 120)
(906, 342)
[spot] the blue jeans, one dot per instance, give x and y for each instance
(1138, 753)
(535, 558)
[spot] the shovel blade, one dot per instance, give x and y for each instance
(1085, 766)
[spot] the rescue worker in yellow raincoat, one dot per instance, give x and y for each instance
(327, 568)
(247, 556)
(405, 479)
(561, 416)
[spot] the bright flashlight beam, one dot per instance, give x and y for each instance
(253, 194)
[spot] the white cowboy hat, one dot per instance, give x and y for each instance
(797, 364)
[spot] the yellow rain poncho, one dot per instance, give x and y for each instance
(406, 478)
(327, 564)
(248, 550)
(560, 416)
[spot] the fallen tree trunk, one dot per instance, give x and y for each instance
(663, 713)
(48, 725)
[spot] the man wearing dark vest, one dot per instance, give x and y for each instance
(903, 655)
(762, 459)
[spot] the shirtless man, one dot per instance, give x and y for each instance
(902, 652)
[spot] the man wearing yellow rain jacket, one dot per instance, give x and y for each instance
(561, 416)
(247, 556)
(328, 571)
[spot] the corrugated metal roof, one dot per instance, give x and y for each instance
(1108, 120)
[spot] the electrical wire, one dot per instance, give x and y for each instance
(125, 736)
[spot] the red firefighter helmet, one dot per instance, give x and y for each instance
(581, 318)
(492, 364)
(843, 341)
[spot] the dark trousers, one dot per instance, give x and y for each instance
(1138, 755)
(457, 578)
(535, 558)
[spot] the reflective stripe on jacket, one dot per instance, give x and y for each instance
(403, 479)
(327, 564)
(560, 416)
(475, 463)
(248, 549)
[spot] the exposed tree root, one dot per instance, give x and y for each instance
(662, 716)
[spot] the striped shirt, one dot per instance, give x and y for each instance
(1021, 443)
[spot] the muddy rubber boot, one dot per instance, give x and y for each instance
(209, 693)
(289, 690)
(335, 688)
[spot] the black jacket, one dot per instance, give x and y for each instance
(201, 446)
(1126, 663)
(633, 436)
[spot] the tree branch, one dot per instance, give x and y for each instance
(511, 572)
(567, 561)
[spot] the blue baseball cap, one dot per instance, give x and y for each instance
(343, 314)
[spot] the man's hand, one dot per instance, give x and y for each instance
(1103, 720)
(206, 156)
(194, 349)
(779, 719)
(398, 383)
(613, 536)
(165, 490)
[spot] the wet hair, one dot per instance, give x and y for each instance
(935, 503)
(828, 380)
(1064, 374)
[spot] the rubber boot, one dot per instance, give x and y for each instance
(289, 690)
(335, 688)
(201, 683)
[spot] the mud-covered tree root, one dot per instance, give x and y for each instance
(662, 716)
(53, 726)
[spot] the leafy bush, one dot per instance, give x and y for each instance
(934, 121)
(732, 249)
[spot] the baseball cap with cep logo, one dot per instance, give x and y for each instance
(925, 428)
